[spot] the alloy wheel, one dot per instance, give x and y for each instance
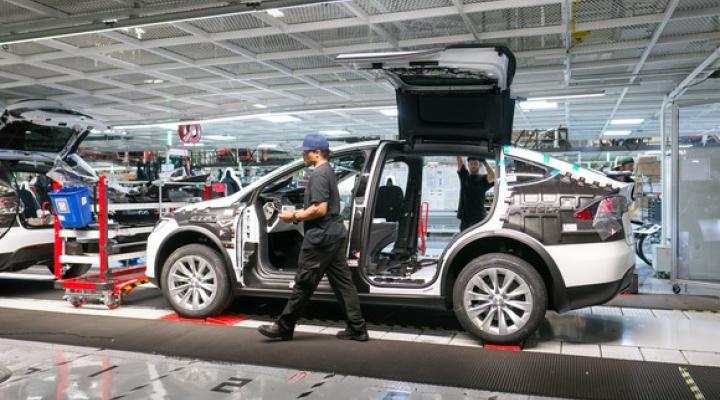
(192, 282)
(498, 301)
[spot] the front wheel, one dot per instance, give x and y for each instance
(195, 282)
(499, 298)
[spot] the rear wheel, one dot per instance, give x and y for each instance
(76, 270)
(73, 271)
(499, 298)
(195, 282)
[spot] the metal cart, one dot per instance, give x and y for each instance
(115, 243)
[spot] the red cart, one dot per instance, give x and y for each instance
(109, 284)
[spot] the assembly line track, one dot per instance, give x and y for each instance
(492, 370)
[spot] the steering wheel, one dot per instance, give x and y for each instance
(272, 209)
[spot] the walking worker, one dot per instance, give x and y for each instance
(473, 185)
(322, 250)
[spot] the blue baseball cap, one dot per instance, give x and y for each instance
(314, 141)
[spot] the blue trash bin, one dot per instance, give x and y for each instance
(73, 207)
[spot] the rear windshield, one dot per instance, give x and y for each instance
(442, 77)
(26, 136)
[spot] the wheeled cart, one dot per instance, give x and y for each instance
(103, 244)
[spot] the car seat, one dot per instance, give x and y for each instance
(389, 202)
(231, 181)
(30, 204)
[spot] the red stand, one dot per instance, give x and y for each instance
(224, 320)
(107, 285)
(58, 246)
(506, 347)
(423, 225)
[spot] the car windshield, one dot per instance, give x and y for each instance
(26, 136)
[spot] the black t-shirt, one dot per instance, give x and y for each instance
(322, 188)
(472, 196)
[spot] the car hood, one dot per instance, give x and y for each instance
(223, 202)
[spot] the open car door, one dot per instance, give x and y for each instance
(460, 93)
(42, 130)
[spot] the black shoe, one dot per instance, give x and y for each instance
(274, 331)
(349, 334)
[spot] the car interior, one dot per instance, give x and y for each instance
(32, 187)
(285, 239)
(414, 218)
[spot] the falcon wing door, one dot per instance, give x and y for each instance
(460, 93)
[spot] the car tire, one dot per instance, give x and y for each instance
(74, 271)
(522, 303)
(194, 281)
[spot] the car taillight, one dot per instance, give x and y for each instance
(608, 216)
(584, 215)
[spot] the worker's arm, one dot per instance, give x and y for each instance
(315, 211)
(460, 163)
(490, 172)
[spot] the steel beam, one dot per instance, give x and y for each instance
(669, 10)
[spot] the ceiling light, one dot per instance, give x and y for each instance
(258, 105)
(617, 133)
(280, 118)
(568, 96)
(537, 105)
(153, 81)
(390, 112)
(334, 132)
(243, 117)
(629, 121)
(218, 137)
(274, 12)
(263, 146)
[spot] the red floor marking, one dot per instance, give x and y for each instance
(224, 320)
(490, 346)
(297, 377)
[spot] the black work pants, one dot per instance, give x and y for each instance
(313, 264)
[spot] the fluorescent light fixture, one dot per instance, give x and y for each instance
(629, 121)
(263, 146)
(685, 146)
(334, 132)
(153, 81)
(280, 118)
(274, 12)
(219, 137)
(390, 112)
(568, 96)
(537, 105)
(617, 133)
(170, 124)
(115, 24)
(260, 106)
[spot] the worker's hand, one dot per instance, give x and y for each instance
(287, 216)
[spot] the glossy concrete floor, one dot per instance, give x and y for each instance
(30, 370)
(40, 370)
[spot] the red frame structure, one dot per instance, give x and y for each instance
(108, 285)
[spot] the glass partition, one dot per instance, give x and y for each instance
(698, 194)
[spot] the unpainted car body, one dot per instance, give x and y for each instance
(556, 237)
